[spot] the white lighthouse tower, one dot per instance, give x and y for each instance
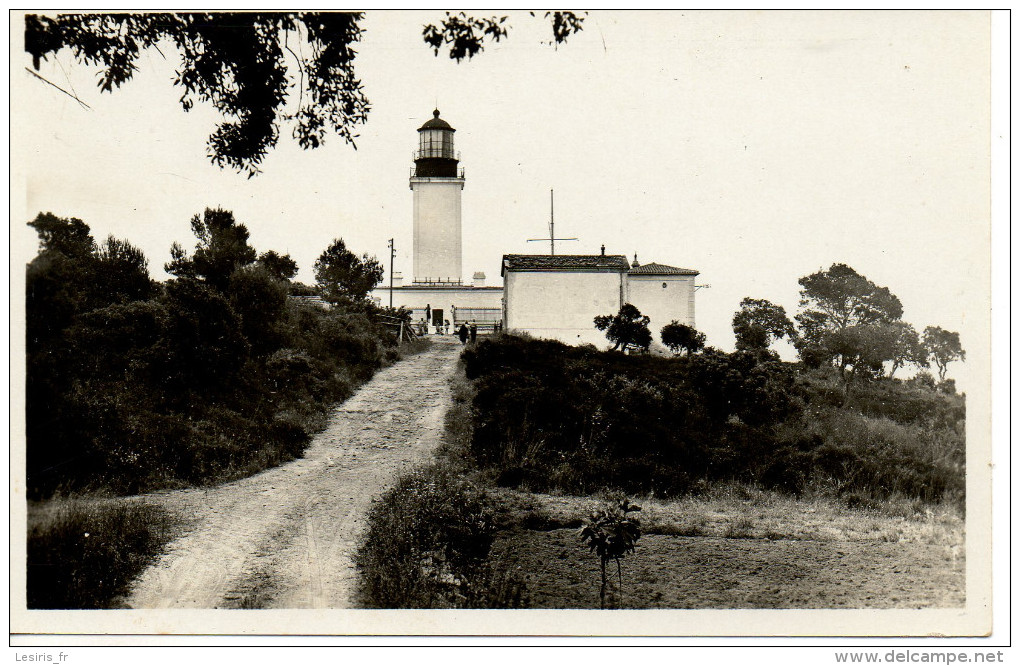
(438, 295)
(437, 181)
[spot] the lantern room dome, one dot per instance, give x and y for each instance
(436, 123)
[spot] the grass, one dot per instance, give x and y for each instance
(739, 511)
(739, 546)
(718, 572)
(83, 553)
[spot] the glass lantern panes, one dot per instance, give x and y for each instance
(436, 143)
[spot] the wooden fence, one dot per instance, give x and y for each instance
(403, 330)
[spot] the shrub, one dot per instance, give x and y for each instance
(883, 458)
(427, 547)
(910, 402)
(611, 534)
(552, 417)
(160, 393)
(133, 385)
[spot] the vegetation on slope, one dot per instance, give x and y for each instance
(577, 420)
(134, 385)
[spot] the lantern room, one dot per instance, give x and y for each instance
(435, 157)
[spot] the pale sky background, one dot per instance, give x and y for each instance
(755, 147)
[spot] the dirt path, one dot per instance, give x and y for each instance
(285, 538)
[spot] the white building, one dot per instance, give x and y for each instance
(559, 296)
(437, 180)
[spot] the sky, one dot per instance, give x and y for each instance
(755, 147)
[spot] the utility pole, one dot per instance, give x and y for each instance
(552, 226)
(393, 253)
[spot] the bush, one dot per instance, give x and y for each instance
(85, 553)
(878, 456)
(914, 401)
(170, 391)
(427, 546)
(552, 417)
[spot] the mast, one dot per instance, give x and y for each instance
(552, 228)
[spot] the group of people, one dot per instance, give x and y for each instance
(422, 327)
(464, 332)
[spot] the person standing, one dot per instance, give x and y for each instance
(463, 333)
(474, 332)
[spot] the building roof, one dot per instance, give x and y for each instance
(661, 269)
(436, 123)
(563, 262)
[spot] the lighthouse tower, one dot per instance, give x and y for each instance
(437, 181)
(438, 296)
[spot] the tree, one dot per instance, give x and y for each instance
(222, 248)
(238, 63)
(628, 328)
(123, 270)
(759, 323)
(677, 336)
(907, 348)
(862, 350)
(260, 300)
(204, 347)
(465, 35)
(69, 236)
(58, 281)
(344, 277)
(71, 275)
(834, 301)
(282, 267)
(943, 347)
(610, 533)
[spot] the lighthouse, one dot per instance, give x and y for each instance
(437, 180)
(437, 293)
(548, 296)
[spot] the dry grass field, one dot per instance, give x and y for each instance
(741, 548)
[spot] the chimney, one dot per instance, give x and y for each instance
(398, 279)
(603, 249)
(478, 279)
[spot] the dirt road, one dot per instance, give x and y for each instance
(285, 538)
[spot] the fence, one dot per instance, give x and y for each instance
(403, 330)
